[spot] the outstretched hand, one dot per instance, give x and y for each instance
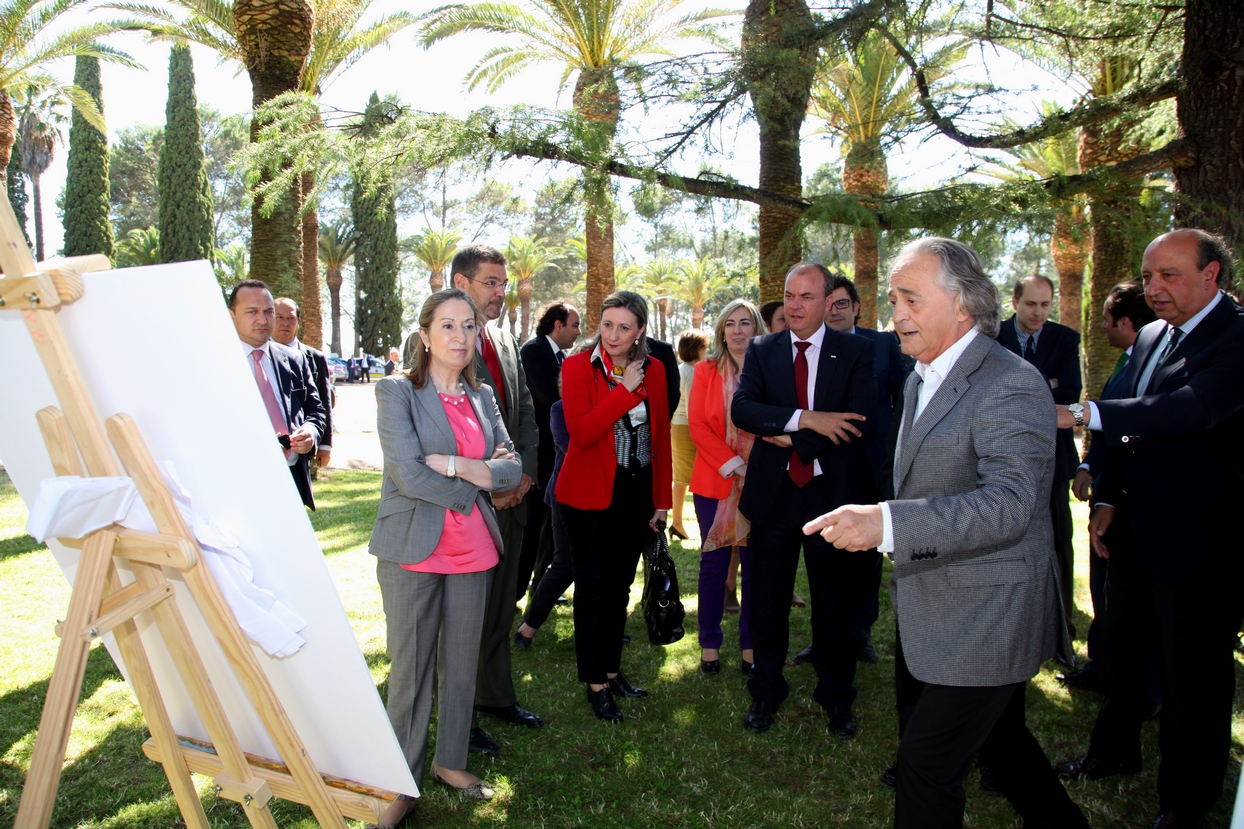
(853, 527)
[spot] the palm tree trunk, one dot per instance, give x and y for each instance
(1114, 253)
(866, 175)
(596, 100)
(779, 59)
(37, 193)
(525, 289)
(8, 130)
(312, 309)
(1068, 252)
(333, 277)
(436, 279)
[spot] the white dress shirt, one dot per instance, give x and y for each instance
(931, 375)
(813, 356)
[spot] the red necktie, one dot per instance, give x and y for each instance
(494, 367)
(275, 414)
(800, 472)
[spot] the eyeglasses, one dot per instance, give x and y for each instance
(842, 304)
(492, 284)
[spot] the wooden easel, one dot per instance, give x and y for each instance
(79, 444)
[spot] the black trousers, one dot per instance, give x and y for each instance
(556, 578)
(836, 581)
(941, 728)
(604, 548)
(1193, 621)
(1064, 550)
(534, 540)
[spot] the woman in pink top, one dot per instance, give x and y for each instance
(436, 537)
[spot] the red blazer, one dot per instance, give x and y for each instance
(706, 416)
(591, 407)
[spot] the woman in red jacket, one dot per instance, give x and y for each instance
(722, 450)
(614, 485)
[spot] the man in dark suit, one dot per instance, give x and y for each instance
(1173, 480)
(283, 378)
(974, 583)
(542, 355)
(811, 394)
(285, 332)
(663, 351)
(1123, 315)
(891, 370)
(1055, 350)
(479, 270)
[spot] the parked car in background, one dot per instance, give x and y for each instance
(338, 366)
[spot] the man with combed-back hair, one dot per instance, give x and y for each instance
(975, 585)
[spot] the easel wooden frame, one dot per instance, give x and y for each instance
(79, 444)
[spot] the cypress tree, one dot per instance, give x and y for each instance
(378, 307)
(88, 228)
(18, 197)
(186, 220)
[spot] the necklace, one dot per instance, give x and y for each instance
(452, 399)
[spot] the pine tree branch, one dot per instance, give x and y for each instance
(1097, 109)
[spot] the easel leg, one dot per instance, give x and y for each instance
(39, 794)
(158, 722)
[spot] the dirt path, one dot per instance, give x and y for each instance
(355, 443)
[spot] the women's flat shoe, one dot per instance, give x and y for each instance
(747, 667)
(677, 533)
(478, 790)
(406, 817)
(710, 666)
(522, 642)
(603, 705)
(621, 686)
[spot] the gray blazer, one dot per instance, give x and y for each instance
(412, 423)
(975, 585)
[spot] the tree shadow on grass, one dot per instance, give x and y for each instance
(19, 545)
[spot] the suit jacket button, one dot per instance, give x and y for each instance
(1127, 439)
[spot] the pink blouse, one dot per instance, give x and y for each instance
(466, 546)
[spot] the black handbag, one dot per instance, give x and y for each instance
(663, 611)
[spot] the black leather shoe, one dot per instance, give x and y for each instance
(803, 656)
(482, 743)
(1095, 768)
(747, 667)
(1085, 679)
(521, 642)
(710, 666)
(1177, 820)
(843, 725)
(866, 653)
(622, 687)
(626, 639)
(562, 600)
(603, 705)
(889, 778)
(759, 717)
(514, 714)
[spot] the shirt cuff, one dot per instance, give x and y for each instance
(727, 468)
(1084, 467)
(792, 425)
(1094, 417)
(887, 532)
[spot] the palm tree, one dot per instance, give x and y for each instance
(597, 39)
(336, 246)
(511, 309)
(698, 283)
(528, 256)
(139, 247)
(1057, 156)
(232, 266)
(866, 97)
(435, 249)
(31, 38)
(658, 279)
(40, 120)
(338, 40)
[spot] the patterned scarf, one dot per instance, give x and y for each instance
(730, 528)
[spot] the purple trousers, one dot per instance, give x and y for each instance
(713, 571)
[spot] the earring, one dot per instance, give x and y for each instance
(425, 348)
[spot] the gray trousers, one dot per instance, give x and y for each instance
(432, 626)
(495, 684)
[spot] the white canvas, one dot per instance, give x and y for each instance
(157, 343)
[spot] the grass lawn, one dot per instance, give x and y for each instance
(681, 758)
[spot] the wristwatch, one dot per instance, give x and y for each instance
(1077, 411)
(451, 471)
